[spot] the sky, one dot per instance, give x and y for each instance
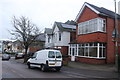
(43, 13)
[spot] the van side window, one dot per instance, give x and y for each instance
(35, 54)
(51, 54)
(58, 55)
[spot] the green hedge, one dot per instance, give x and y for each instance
(11, 53)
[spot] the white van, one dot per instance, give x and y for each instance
(46, 59)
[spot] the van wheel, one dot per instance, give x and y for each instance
(43, 68)
(29, 67)
(58, 69)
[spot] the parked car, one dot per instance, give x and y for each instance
(19, 55)
(46, 59)
(5, 56)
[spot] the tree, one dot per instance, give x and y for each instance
(25, 31)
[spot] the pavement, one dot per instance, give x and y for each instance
(99, 67)
(78, 65)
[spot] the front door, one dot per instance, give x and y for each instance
(73, 52)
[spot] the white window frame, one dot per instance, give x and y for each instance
(76, 46)
(93, 25)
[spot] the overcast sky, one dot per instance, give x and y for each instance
(43, 13)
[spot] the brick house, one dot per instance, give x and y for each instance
(60, 36)
(38, 44)
(94, 42)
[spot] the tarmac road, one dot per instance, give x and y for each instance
(14, 69)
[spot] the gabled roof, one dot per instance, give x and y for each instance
(64, 27)
(70, 22)
(41, 37)
(48, 31)
(98, 10)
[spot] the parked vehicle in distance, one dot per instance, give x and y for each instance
(19, 55)
(5, 56)
(46, 59)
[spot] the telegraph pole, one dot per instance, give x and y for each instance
(116, 41)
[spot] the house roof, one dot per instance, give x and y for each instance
(64, 26)
(99, 10)
(70, 22)
(48, 31)
(41, 37)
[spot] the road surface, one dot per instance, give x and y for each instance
(14, 69)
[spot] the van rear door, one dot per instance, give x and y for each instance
(55, 58)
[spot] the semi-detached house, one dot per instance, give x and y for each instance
(94, 42)
(60, 36)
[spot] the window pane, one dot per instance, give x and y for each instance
(90, 44)
(94, 25)
(81, 51)
(104, 26)
(58, 55)
(51, 54)
(100, 52)
(93, 52)
(73, 51)
(104, 52)
(85, 51)
(95, 44)
(70, 51)
(59, 36)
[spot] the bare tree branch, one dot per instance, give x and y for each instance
(25, 31)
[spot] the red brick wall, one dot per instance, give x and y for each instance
(64, 50)
(92, 37)
(90, 60)
(86, 15)
(119, 38)
(33, 49)
(110, 44)
(73, 36)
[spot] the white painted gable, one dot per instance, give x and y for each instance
(56, 29)
(83, 7)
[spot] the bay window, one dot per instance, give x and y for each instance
(93, 50)
(94, 25)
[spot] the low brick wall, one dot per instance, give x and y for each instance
(91, 60)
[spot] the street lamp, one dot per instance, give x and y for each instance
(116, 41)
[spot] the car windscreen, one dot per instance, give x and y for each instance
(51, 54)
(58, 55)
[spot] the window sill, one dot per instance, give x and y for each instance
(93, 32)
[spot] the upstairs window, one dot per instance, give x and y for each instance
(48, 39)
(59, 36)
(94, 25)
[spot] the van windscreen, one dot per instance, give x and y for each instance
(58, 55)
(51, 54)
